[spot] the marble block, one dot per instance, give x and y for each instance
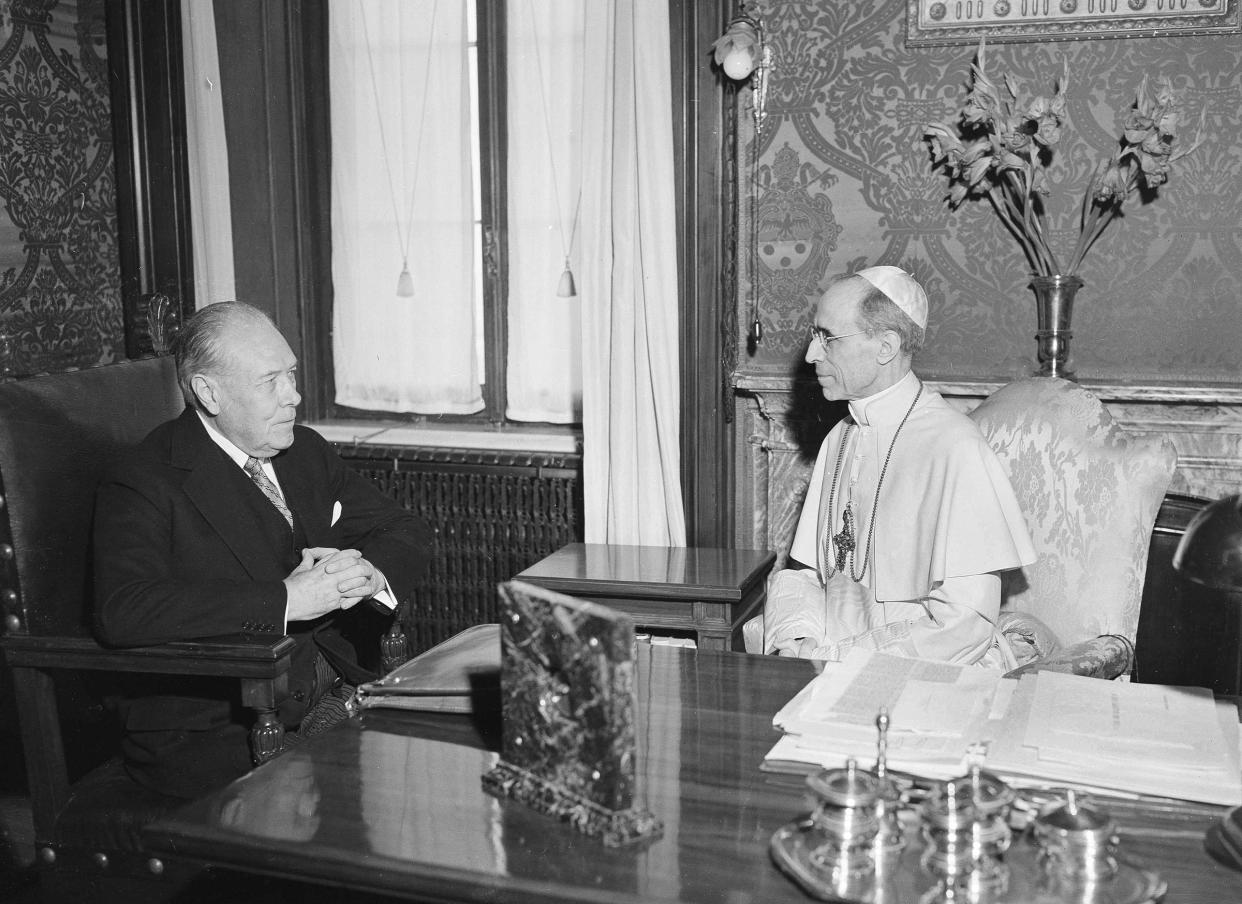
(567, 692)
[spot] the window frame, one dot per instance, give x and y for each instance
(281, 211)
(493, 159)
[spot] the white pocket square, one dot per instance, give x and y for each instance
(336, 513)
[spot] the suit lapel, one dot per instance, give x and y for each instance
(216, 487)
(304, 497)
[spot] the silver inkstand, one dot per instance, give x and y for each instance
(1081, 859)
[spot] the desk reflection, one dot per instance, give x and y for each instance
(409, 787)
(280, 804)
(421, 800)
(393, 802)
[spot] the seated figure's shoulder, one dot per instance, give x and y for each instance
(150, 456)
(311, 448)
(945, 429)
(309, 438)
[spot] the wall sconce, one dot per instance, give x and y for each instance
(742, 53)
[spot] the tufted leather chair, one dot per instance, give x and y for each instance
(56, 434)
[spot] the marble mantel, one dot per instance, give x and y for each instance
(779, 423)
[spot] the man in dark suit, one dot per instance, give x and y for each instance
(231, 519)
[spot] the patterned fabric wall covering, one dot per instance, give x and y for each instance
(495, 514)
(844, 181)
(60, 278)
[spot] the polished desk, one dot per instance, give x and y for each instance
(391, 803)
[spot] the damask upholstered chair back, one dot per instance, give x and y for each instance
(1090, 492)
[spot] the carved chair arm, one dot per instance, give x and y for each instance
(235, 656)
(1107, 656)
(261, 665)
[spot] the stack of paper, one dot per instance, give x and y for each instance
(1045, 728)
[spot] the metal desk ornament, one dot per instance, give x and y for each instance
(567, 701)
(867, 842)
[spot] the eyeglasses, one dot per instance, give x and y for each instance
(826, 338)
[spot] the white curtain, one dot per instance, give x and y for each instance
(407, 182)
(211, 220)
(630, 404)
(544, 80)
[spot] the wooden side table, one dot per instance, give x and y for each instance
(708, 593)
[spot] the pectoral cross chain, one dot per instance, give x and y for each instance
(845, 539)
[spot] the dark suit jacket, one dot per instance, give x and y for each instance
(186, 547)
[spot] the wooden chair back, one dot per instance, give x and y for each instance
(57, 433)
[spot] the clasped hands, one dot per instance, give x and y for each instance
(329, 579)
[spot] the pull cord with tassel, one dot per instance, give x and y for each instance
(405, 281)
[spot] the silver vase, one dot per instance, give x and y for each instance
(1054, 307)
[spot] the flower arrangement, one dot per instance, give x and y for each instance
(1001, 148)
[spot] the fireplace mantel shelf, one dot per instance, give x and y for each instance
(1186, 393)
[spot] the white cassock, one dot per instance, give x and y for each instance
(946, 522)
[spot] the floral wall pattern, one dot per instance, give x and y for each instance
(844, 180)
(60, 284)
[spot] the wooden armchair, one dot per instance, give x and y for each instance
(56, 434)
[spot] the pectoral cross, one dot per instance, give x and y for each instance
(845, 539)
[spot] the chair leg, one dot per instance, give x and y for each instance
(267, 737)
(394, 647)
(44, 747)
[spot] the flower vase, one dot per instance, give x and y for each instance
(1054, 306)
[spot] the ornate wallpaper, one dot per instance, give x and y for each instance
(844, 180)
(60, 284)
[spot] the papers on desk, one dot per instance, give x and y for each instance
(1043, 729)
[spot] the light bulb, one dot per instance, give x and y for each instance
(739, 62)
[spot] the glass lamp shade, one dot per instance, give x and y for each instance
(1210, 552)
(738, 50)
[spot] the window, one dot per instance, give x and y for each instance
(454, 157)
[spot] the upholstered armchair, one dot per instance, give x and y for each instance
(1090, 493)
(56, 434)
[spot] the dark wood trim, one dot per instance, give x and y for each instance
(152, 174)
(312, 176)
(274, 74)
(701, 130)
(237, 656)
(494, 138)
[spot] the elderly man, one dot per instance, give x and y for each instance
(231, 519)
(909, 516)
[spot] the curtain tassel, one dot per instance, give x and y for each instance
(567, 289)
(405, 282)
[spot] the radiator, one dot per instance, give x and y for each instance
(495, 514)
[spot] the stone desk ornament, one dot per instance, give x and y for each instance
(567, 691)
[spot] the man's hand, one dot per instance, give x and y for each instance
(329, 579)
(801, 647)
(358, 579)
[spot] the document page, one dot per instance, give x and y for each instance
(1074, 717)
(936, 711)
(1066, 729)
(920, 696)
(1047, 729)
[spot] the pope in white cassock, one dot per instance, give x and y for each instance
(909, 517)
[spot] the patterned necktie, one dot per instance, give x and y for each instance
(254, 467)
